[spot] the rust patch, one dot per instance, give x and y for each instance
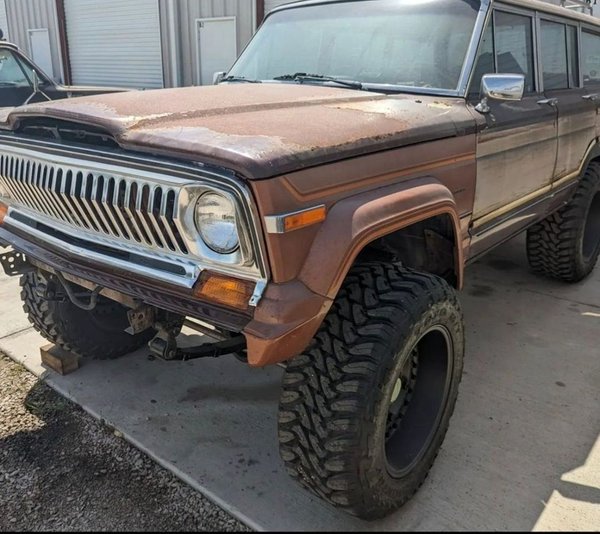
(261, 130)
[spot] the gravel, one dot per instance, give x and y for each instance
(60, 469)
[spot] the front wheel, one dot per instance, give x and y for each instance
(365, 409)
(98, 333)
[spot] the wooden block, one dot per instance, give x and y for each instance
(58, 359)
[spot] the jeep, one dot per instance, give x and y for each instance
(316, 209)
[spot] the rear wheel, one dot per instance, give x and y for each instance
(566, 245)
(99, 333)
(365, 409)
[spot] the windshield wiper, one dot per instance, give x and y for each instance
(238, 79)
(303, 77)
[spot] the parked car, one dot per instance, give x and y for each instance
(317, 209)
(23, 82)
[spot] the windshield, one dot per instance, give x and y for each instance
(410, 43)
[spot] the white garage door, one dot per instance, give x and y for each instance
(272, 4)
(114, 42)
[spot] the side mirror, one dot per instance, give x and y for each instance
(506, 87)
(218, 77)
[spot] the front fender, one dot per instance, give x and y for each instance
(357, 221)
(291, 313)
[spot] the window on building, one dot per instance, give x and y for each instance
(590, 58)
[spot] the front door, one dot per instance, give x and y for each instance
(517, 142)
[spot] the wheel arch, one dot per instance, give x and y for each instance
(356, 225)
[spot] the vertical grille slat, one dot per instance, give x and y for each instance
(138, 211)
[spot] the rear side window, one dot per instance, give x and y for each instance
(554, 56)
(559, 55)
(590, 58)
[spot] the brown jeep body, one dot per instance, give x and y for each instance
(390, 162)
(326, 219)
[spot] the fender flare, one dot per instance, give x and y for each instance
(356, 221)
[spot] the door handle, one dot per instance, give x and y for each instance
(593, 97)
(548, 102)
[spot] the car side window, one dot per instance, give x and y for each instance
(590, 58)
(506, 48)
(554, 55)
(513, 39)
(559, 55)
(12, 72)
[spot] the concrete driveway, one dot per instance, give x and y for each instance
(522, 453)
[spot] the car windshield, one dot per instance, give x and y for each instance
(408, 43)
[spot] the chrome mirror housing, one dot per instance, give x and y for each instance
(506, 87)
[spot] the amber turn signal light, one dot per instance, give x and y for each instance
(304, 218)
(224, 290)
(3, 212)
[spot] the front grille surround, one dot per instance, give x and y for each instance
(142, 205)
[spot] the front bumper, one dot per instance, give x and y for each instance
(280, 327)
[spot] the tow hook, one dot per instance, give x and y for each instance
(164, 346)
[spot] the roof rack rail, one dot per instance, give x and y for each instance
(583, 6)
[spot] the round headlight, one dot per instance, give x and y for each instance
(216, 221)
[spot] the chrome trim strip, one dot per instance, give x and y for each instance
(192, 270)
(275, 224)
(469, 63)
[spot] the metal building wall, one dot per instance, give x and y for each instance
(4, 20)
(179, 37)
(26, 15)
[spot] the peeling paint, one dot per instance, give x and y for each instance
(260, 130)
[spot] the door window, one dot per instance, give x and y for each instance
(12, 72)
(506, 47)
(514, 46)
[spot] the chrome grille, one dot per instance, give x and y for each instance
(131, 209)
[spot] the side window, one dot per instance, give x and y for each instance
(506, 48)
(513, 38)
(554, 55)
(484, 63)
(590, 58)
(11, 71)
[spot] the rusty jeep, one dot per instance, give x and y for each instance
(316, 209)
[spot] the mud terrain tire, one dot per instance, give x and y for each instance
(98, 334)
(566, 245)
(365, 409)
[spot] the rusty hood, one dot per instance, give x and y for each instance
(259, 130)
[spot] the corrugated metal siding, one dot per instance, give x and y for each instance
(186, 14)
(26, 15)
(272, 4)
(4, 20)
(115, 42)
